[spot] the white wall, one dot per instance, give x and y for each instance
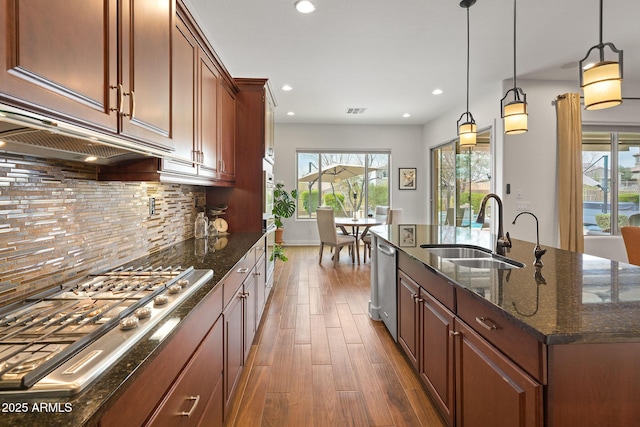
(405, 143)
(528, 161)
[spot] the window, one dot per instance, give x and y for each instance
(461, 178)
(611, 177)
(348, 182)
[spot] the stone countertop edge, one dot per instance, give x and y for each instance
(555, 303)
(87, 407)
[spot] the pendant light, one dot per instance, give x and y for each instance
(602, 81)
(514, 111)
(467, 128)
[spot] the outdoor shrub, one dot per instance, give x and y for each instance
(604, 221)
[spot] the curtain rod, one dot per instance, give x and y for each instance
(628, 98)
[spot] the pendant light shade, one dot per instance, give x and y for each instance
(513, 106)
(466, 125)
(602, 81)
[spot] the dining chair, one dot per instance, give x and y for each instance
(631, 237)
(394, 216)
(634, 219)
(329, 235)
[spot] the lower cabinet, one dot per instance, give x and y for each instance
(436, 353)
(186, 402)
(492, 390)
(470, 379)
(192, 381)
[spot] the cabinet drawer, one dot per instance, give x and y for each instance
(496, 328)
(237, 275)
(187, 400)
(437, 286)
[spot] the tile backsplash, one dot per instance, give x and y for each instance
(57, 222)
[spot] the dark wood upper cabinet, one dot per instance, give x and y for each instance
(62, 59)
(145, 67)
(103, 64)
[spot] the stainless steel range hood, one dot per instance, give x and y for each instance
(25, 133)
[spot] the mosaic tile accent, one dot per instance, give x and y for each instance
(57, 222)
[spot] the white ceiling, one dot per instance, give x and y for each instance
(389, 55)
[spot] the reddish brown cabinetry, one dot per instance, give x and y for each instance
(196, 86)
(254, 130)
(116, 76)
(193, 379)
(470, 379)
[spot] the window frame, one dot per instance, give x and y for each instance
(321, 152)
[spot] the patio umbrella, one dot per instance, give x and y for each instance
(586, 180)
(336, 172)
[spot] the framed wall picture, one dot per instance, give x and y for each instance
(407, 178)
(407, 235)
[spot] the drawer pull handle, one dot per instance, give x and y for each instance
(486, 323)
(454, 333)
(243, 270)
(196, 400)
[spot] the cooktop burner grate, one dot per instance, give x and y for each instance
(45, 332)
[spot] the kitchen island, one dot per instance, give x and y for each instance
(89, 406)
(561, 340)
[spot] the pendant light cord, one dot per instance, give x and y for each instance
(601, 45)
(468, 42)
(514, 44)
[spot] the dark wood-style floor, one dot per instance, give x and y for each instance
(319, 360)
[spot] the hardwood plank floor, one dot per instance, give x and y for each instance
(319, 360)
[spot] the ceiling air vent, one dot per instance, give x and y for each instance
(356, 110)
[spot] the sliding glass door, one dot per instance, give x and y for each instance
(460, 179)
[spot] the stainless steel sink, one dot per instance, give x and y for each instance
(486, 263)
(459, 252)
(471, 256)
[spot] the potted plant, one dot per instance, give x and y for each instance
(284, 206)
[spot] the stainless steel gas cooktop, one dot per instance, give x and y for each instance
(56, 343)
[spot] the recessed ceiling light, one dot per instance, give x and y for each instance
(91, 159)
(406, 115)
(2, 143)
(291, 113)
(287, 88)
(305, 6)
(437, 92)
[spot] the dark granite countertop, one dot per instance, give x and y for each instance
(573, 297)
(87, 407)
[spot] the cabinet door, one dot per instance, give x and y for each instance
(227, 161)
(250, 311)
(188, 398)
(62, 59)
(261, 287)
(490, 389)
(146, 32)
(436, 353)
(208, 116)
(408, 311)
(185, 61)
(269, 138)
(234, 343)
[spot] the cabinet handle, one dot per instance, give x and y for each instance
(486, 323)
(117, 88)
(120, 98)
(454, 333)
(257, 273)
(122, 102)
(133, 104)
(243, 270)
(196, 400)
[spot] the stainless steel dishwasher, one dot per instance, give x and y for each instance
(386, 285)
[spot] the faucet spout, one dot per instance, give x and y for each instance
(537, 251)
(504, 241)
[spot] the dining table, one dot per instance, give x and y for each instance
(356, 224)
